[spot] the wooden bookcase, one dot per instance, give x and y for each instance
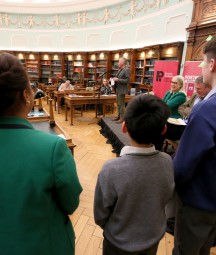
(68, 66)
(115, 55)
(85, 66)
(21, 57)
(151, 55)
(79, 65)
(91, 66)
(45, 62)
(101, 65)
(139, 67)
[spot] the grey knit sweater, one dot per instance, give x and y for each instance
(130, 197)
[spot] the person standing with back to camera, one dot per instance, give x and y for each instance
(121, 80)
(194, 170)
(39, 186)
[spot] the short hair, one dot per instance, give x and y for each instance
(210, 49)
(124, 60)
(199, 79)
(145, 118)
(180, 79)
(13, 80)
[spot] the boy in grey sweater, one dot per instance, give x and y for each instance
(133, 189)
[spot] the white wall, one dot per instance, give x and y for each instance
(162, 24)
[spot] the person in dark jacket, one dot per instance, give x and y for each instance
(194, 169)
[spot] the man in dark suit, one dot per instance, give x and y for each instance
(121, 80)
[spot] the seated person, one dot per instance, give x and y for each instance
(105, 89)
(174, 98)
(49, 82)
(66, 86)
(201, 90)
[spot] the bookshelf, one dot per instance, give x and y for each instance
(32, 66)
(139, 67)
(78, 66)
(85, 66)
(91, 66)
(101, 65)
(68, 66)
(114, 63)
(56, 66)
(151, 55)
(45, 63)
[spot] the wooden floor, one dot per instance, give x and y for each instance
(91, 152)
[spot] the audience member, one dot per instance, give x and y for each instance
(105, 89)
(49, 82)
(201, 90)
(121, 80)
(194, 165)
(132, 190)
(66, 86)
(175, 96)
(39, 184)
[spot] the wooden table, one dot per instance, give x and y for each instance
(59, 94)
(104, 100)
(47, 124)
(49, 90)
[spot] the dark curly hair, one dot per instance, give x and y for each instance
(13, 80)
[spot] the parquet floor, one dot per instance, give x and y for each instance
(91, 152)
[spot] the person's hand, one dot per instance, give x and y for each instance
(115, 79)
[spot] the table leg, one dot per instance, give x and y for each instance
(66, 111)
(58, 102)
(104, 110)
(96, 110)
(71, 113)
(55, 103)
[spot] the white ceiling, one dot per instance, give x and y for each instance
(54, 6)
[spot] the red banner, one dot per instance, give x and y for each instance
(163, 73)
(190, 73)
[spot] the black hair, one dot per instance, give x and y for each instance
(210, 49)
(13, 80)
(145, 118)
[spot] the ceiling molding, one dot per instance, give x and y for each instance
(55, 6)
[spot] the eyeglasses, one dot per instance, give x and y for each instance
(174, 82)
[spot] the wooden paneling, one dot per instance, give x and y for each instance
(202, 25)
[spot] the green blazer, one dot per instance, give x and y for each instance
(174, 100)
(39, 188)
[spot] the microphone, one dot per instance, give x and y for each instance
(101, 75)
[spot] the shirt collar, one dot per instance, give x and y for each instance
(211, 92)
(134, 150)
